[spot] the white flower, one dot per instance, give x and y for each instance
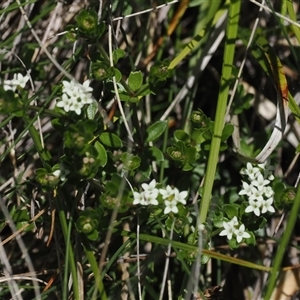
(240, 233)
(139, 198)
(148, 196)
(150, 187)
(20, 80)
(86, 99)
(260, 182)
(250, 171)
(254, 206)
(180, 197)
(267, 170)
(229, 228)
(151, 198)
(167, 193)
(76, 106)
(57, 173)
(266, 206)
(234, 221)
(86, 87)
(247, 189)
(268, 191)
(75, 96)
(256, 194)
(8, 85)
(171, 206)
(65, 102)
(69, 87)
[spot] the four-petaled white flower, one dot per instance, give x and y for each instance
(256, 194)
(65, 102)
(151, 187)
(241, 233)
(18, 81)
(151, 198)
(250, 171)
(266, 206)
(229, 228)
(171, 206)
(139, 198)
(167, 193)
(180, 196)
(254, 206)
(268, 191)
(247, 189)
(260, 182)
(233, 229)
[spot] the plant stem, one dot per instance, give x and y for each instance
(69, 251)
(231, 34)
(283, 245)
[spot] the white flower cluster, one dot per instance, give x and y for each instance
(233, 229)
(75, 96)
(171, 196)
(18, 80)
(258, 191)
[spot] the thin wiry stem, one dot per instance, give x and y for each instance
(276, 13)
(244, 60)
(138, 257)
(115, 86)
(167, 263)
(145, 11)
(21, 246)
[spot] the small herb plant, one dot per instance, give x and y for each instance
(127, 187)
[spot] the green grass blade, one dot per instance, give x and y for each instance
(231, 34)
(283, 244)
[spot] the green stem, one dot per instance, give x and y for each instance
(283, 245)
(69, 251)
(106, 57)
(231, 34)
(95, 268)
(44, 154)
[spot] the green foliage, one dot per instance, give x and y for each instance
(137, 152)
(156, 130)
(88, 223)
(88, 27)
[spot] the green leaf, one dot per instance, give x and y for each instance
(131, 162)
(251, 240)
(187, 167)
(231, 210)
(227, 132)
(218, 220)
(118, 74)
(293, 106)
(22, 218)
(117, 54)
(92, 110)
(90, 125)
(135, 80)
(181, 135)
(156, 130)
(102, 154)
(111, 140)
(157, 154)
